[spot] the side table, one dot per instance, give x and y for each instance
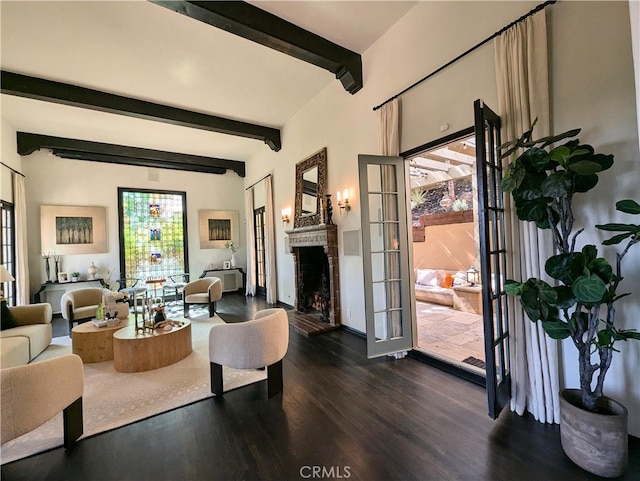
(94, 344)
(468, 299)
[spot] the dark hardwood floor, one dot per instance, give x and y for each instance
(341, 416)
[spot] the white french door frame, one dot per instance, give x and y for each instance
(387, 258)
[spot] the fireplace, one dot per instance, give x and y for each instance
(317, 280)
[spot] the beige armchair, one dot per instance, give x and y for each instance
(81, 305)
(253, 344)
(33, 394)
(207, 290)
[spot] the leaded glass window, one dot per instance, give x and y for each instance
(153, 233)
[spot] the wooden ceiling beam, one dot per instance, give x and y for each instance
(257, 25)
(75, 96)
(125, 155)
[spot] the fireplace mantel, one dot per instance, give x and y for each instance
(314, 235)
(325, 236)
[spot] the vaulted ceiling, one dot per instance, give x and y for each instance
(168, 54)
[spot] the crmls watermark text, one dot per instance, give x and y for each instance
(320, 472)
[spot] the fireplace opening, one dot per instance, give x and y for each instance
(314, 296)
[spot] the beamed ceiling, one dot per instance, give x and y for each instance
(182, 85)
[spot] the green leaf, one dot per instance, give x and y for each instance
(589, 289)
(530, 304)
(531, 210)
(602, 269)
(628, 334)
(556, 185)
(604, 339)
(552, 139)
(628, 206)
(535, 159)
(590, 251)
(616, 239)
(584, 183)
(548, 295)
(513, 288)
(585, 167)
(556, 329)
(566, 267)
(560, 154)
(564, 297)
(619, 227)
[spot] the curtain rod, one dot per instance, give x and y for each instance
(258, 181)
(13, 170)
(499, 32)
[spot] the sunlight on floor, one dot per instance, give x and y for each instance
(448, 332)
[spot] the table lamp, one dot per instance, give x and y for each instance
(5, 276)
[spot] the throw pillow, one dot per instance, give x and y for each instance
(448, 281)
(460, 279)
(6, 320)
(427, 277)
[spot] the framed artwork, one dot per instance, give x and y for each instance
(226, 265)
(69, 229)
(63, 277)
(217, 227)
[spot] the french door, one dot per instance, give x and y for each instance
(260, 262)
(387, 263)
(493, 258)
(389, 321)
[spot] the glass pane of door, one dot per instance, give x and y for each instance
(386, 260)
(261, 278)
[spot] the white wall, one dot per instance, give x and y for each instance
(592, 87)
(54, 181)
(428, 36)
(10, 157)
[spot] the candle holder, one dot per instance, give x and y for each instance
(47, 268)
(328, 210)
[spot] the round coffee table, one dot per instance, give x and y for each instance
(94, 344)
(143, 351)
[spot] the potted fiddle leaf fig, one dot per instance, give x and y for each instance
(579, 303)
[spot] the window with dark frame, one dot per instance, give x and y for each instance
(153, 234)
(7, 248)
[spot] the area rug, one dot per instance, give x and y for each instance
(113, 399)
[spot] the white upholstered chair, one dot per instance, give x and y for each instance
(34, 393)
(80, 305)
(261, 342)
(206, 290)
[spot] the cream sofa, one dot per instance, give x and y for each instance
(430, 285)
(21, 344)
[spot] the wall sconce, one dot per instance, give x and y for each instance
(344, 205)
(473, 276)
(286, 214)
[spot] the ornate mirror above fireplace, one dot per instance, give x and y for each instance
(311, 176)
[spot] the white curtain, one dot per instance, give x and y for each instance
(270, 244)
(251, 243)
(389, 145)
(389, 128)
(22, 258)
(523, 94)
